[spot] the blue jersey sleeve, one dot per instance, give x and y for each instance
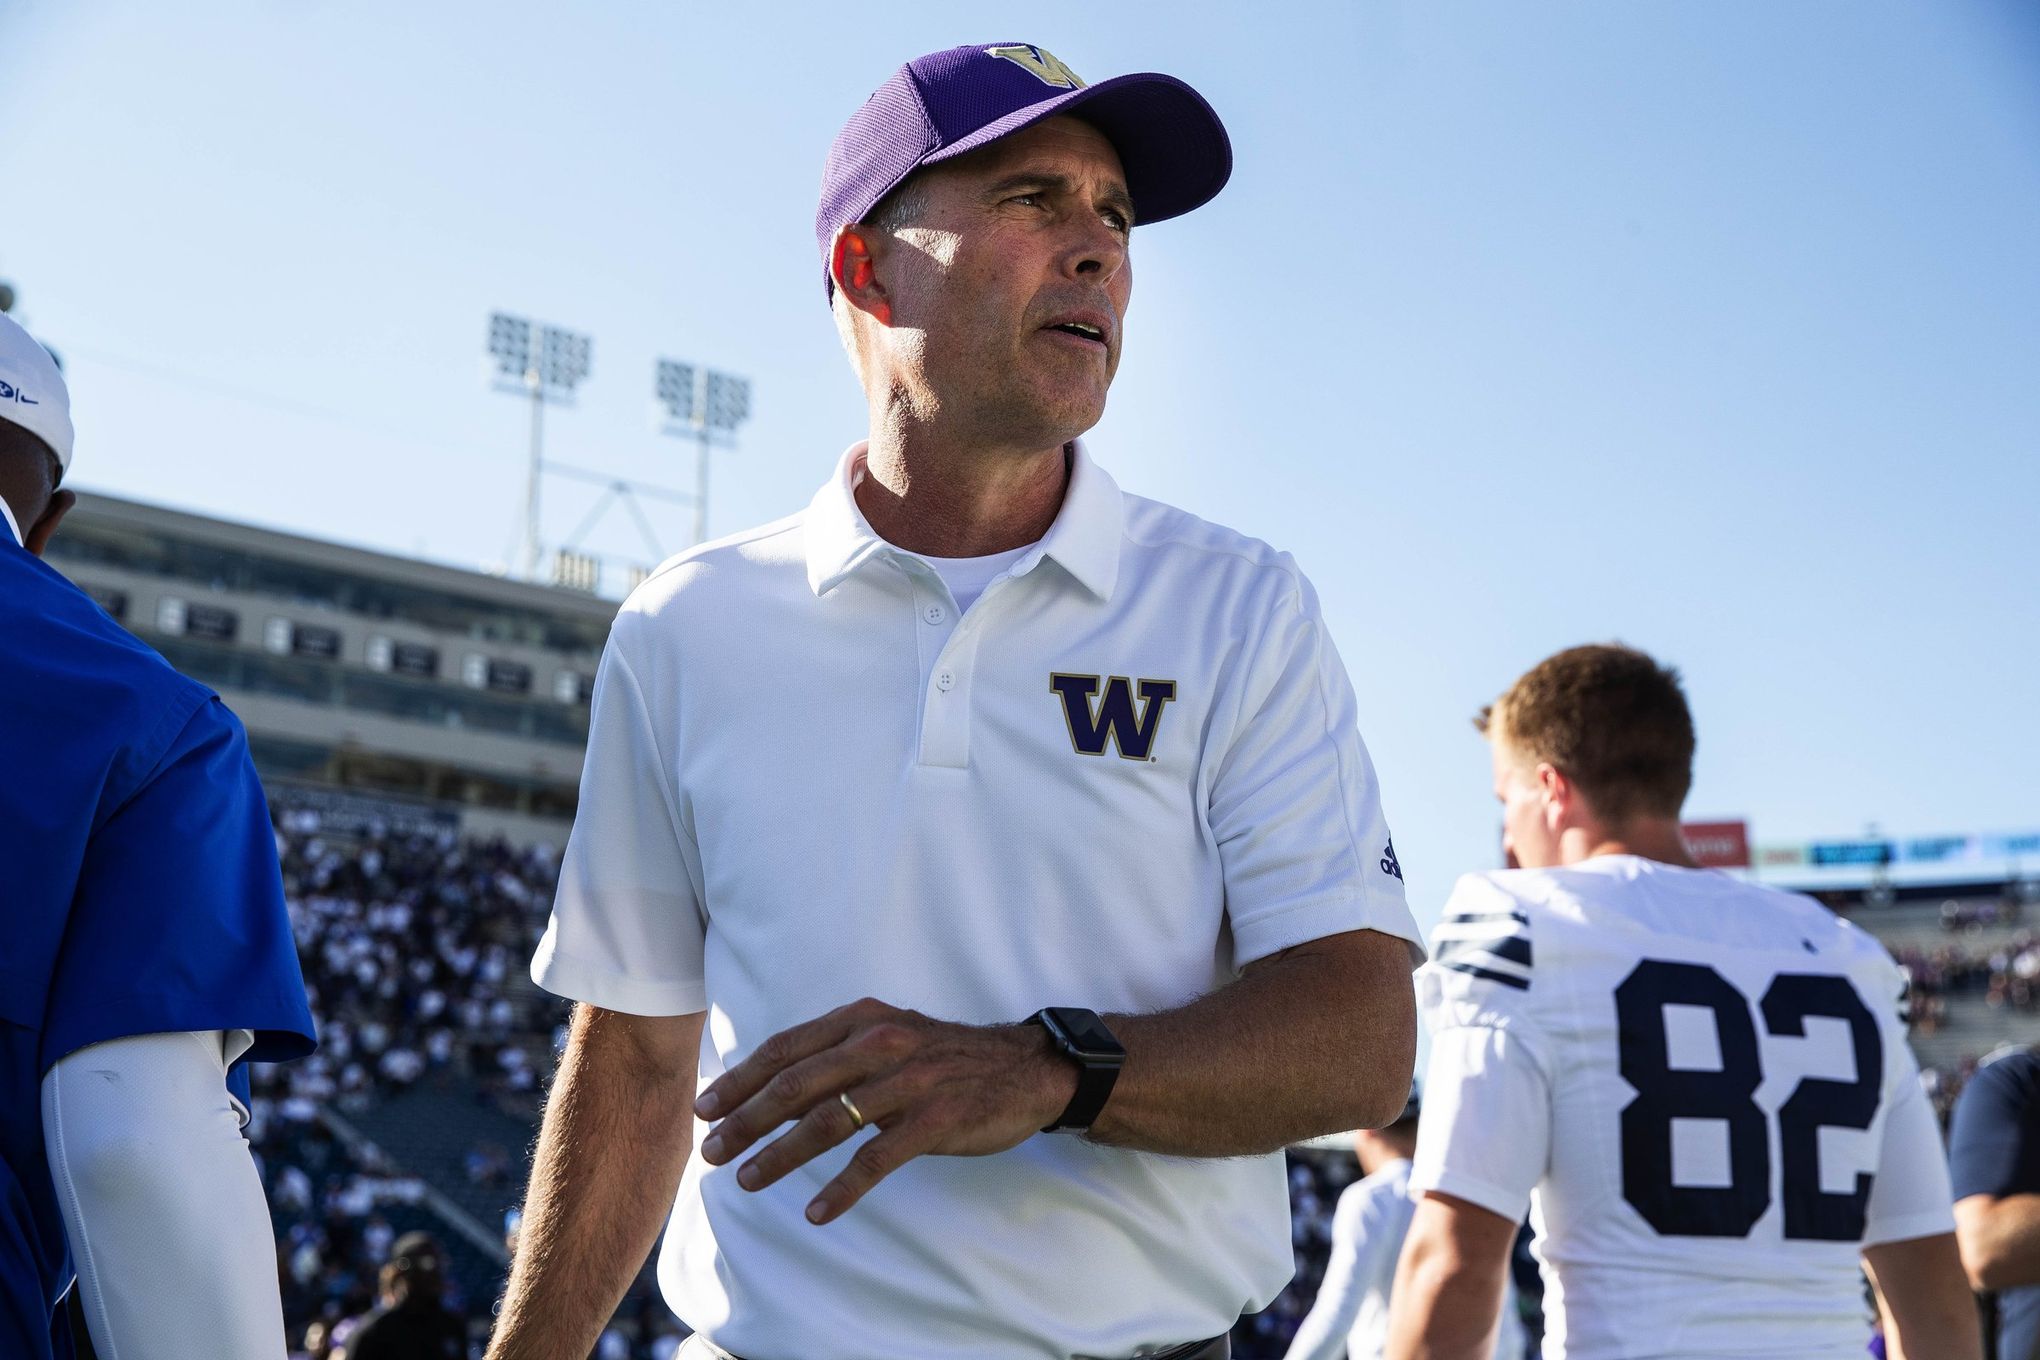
(179, 921)
(1994, 1140)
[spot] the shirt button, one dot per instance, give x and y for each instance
(934, 613)
(944, 680)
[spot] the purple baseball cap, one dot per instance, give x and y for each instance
(1175, 151)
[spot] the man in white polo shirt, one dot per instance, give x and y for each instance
(1000, 845)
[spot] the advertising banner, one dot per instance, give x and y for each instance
(1830, 853)
(1718, 845)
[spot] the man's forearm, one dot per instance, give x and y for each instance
(1319, 1039)
(1925, 1299)
(2000, 1238)
(610, 1154)
(1443, 1314)
(1314, 1039)
(1450, 1282)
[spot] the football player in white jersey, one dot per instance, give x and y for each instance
(1700, 1086)
(1349, 1318)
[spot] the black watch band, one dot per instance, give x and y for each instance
(1082, 1037)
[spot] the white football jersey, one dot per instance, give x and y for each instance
(1349, 1318)
(1706, 1085)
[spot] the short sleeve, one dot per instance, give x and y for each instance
(1909, 1197)
(627, 930)
(1295, 806)
(1486, 1131)
(1989, 1149)
(178, 921)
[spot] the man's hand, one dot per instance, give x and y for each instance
(1315, 1038)
(928, 1086)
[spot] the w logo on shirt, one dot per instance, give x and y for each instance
(1095, 722)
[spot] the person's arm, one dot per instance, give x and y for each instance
(1994, 1165)
(161, 1201)
(1484, 1140)
(611, 1150)
(1317, 1039)
(1250, 1068)
(1997, 1220)
(1449, 1283)
(1887, 1330)
(1926, 1299)
(2000, 1239)
(1322, 1333)
(177, 928)
(626, 940)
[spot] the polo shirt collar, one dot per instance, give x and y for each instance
(7, 513)
(1084, 540)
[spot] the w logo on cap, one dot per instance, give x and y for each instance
(1112, 720)
(1043, 66)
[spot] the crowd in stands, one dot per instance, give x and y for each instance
(411, 945)
(2007, 973)
(413, 948)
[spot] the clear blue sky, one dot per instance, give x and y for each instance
(1714, 327)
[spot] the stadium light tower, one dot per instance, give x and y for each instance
(708, 405)
(545, 363)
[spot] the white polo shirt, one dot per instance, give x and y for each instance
(1128, 770)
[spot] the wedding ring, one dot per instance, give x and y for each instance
(856, 1115)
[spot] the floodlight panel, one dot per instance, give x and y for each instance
(674, 383)
(510, 343)
(729, 401)
(563, 358)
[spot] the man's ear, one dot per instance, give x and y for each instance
(854, 267)
(38, 535)
(1558, 793)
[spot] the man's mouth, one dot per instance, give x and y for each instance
(1086, 327)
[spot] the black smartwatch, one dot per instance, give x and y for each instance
(1082, 1037)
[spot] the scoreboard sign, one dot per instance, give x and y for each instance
(508, 677)
(1718, 845)
(211, 621)
(309, 639)
(414, 658)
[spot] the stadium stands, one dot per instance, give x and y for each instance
(419, 1109)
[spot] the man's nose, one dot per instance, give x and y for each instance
(1097, 253)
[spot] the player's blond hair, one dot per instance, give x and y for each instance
(1611, 720)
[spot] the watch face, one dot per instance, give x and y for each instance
(1086, 1033)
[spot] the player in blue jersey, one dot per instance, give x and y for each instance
(145, 954)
